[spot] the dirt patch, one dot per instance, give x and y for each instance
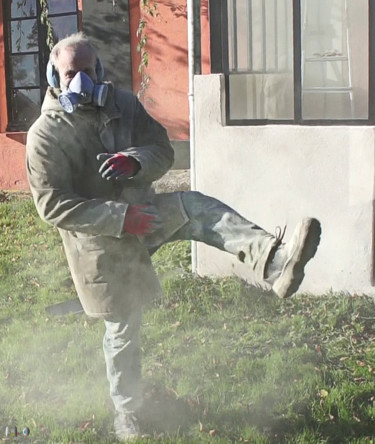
(4, 197)
(174, 180)
(7, 196)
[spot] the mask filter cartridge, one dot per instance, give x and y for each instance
(82, 91)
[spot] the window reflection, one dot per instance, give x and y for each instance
(27, 54)
(64, 26)
(334, 59)
(62, 6)
(23, 8)
(261, 59)
(24, 36)
(25, 70)
(25, 105)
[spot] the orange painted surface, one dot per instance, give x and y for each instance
(12, 146)
(12, 162)
(166, 98)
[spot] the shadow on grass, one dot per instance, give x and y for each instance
(278, 430)
(164, 413)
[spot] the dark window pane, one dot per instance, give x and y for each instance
(24, 36)
(64, 26)
(25, 70)
(62, 6)
(25, 105)
(23, 8)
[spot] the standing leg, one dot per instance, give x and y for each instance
(122, 356)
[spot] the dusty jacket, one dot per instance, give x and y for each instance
(111, 270)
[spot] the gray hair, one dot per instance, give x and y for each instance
(78, 40)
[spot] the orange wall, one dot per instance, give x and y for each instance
(166, 97)
(12, 146)
(12, 162)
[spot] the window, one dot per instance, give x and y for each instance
(26, 54)
(334, 59)
(294, 61)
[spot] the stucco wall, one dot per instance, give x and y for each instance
(278, 174)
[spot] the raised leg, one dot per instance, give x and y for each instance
(216, 224)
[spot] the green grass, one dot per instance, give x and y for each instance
(222, 362)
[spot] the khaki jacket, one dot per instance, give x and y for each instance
(111, 270)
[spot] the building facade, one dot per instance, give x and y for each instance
(284, 110)
(288, 116)
(114, 27)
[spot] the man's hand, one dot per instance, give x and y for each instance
(117, 166)
(141, 219)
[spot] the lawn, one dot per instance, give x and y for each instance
(222, 361)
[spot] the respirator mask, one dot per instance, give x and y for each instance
(82, 91)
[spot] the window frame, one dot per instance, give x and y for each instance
(218, 12)
(5, 124)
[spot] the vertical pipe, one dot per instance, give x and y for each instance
(191, 58)
(371, 117)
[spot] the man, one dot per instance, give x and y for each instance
(91, 159)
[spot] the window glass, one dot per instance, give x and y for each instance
(62, 6)
(24, 36)
(25, 106)
(261, 59)
(63, 26)
(23, 8)
(25, 70)
(26, 54)
(335, 59)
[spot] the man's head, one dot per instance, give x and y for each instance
(73, 54)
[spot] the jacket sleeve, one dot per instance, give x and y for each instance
(151, 146)
(50, 178)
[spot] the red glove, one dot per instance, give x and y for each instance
(116, 166)
(141, 219)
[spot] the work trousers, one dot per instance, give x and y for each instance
(209, 221)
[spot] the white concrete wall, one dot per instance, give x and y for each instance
(277, 174)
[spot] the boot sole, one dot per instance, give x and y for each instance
(293, 272)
